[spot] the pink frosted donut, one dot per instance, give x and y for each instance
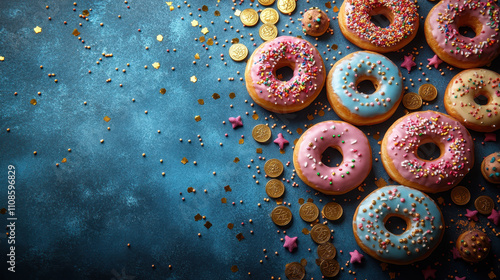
(441, 31)
(349, 141)
(278, 96)
(403, 138)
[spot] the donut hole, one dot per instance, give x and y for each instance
(481, 99)
(428, 151)
(365, 85)
(284, 73)
(469, 26)
(332, 157)
(467, 31)
(381, 17)
(396, 225)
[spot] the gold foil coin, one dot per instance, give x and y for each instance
(281, 215)
(329, 268)
(249, 17)
(294, 271)
(286, 6)
(412, 101)
(238, 52)
(270, 16)
(275, 188)
(309, 212)
(261, 133)
(320, 233)
(266, 2)
(327, 251)
(460, 195)
(268, 31)
(332, 211)
(484, 204)
(273, 168)
(428, 92)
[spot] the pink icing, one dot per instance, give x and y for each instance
(308, 73)
(445, 20)
(416, 128)
(352, 143)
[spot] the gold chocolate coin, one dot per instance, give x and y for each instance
(327, 251)
(286, 6)
(294, 271)
(273, 168)
(268, 31)
(332, 211)
(266, 2)
(320, 233)
(238, 52)
(275, 188)
(428, 92)
(281, 215)
(484, 204)
(261, 133)
(329, 268)
(309, 212)
(412, 101)
(249, 17)
(270, 16)
(460, 195)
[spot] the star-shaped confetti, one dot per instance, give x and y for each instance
(193, 79)
(156, 65)
(356, 257)
(429, 273)
(471, 215)
(456, 253)
(159, 38)
(408, 63)
(37, 29)
(460, 278)
(434, 61)
(281, 141)
(235, 122)
(490, 137)
(494, 217)
(290, 243)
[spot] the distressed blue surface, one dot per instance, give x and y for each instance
(75, 220)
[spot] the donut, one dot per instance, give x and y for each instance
(315, 22)
(490, 168)
(349, 141)
(459, 99)
(424, 225)
(356, 25)
(473, 245)
(285, 96)
(441, 32)
(403, 138)
(360, 108)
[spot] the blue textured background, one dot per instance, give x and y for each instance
(75, 220)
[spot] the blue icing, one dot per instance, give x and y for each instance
(425, 231)
(368, 105)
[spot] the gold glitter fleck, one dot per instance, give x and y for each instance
(376, 136)
(259, 151)
(237, 13)
(197, 217)
(492, 275)
(194, 23)
(223, 200)
(241, 141)
(282, 151)
(303, 262)
(156, 65)
(204, 8)
(85, 13)
(184, 160)
(64, 160)
(210, 42)
(37, 29)
(310, 117)
(321, 113)
(227, 188)
(235, 41)
(208, 224)
(335, 9)
(107, 119)
(236, 160)
(201, 39)
(204, 31)
(279, 201)
(299, 130)
(305, 231)
(201, 101)
(334, 47)
(381, 183)
(2, 58)
(190, 190)
(76, 32)
(310, 200)
(163, 90)
(328, 4)
(240, 237)
(193, 79)
(384, 266)
(234, 268)
(169, 3)
(255, 116)
(301, 201)
(216, 13)
(230, 226)
(232, 95)
(197, 118)
(33, 101)
(159, 37)
(215, 96)
(440, 200)
(197, 56)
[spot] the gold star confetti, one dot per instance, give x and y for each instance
(184, 160)
(85, 13)
(159, 38)
(310, 117)
(64, 160)
(210, 42)
(223, 200)
(492, 275)
(33, 101)
(328, 4)
(381, 183)
(208, 225)
(197, 118)
(76, 32)
(201, 39)
(235, 41)
(216, 13)
(37, 29)
(197, 217)
(299, 130)
(240, 236)
(193, 79)
(163, 91)
(305, 231)
(169, 3)
(301, 201)
(241, 141)
(230, 226)
(232, 95)
(258, 150)
(204, 8)
(237, 13)
(215, 96)
(255, 116)
(190, 190)
(234, 268)
(197, 56)
(171, 8)
(201, 101)
(383, 266)
(156, 65)
(335, 9)
(227, 188)
(2, 58)
(236, 160)
(194, 23)
(204, 31)
(107, 119)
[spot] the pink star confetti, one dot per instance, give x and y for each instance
(356, 256)
(281, 141)
(459, 278)
(408, 63)
(490, 137)
(494, 217)
(290, 243)
(456, 253)
(434, 61)
(235, 122)
(471, 215)
(429, 272)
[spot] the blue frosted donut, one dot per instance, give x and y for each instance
(360, 108)
(424, 225)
